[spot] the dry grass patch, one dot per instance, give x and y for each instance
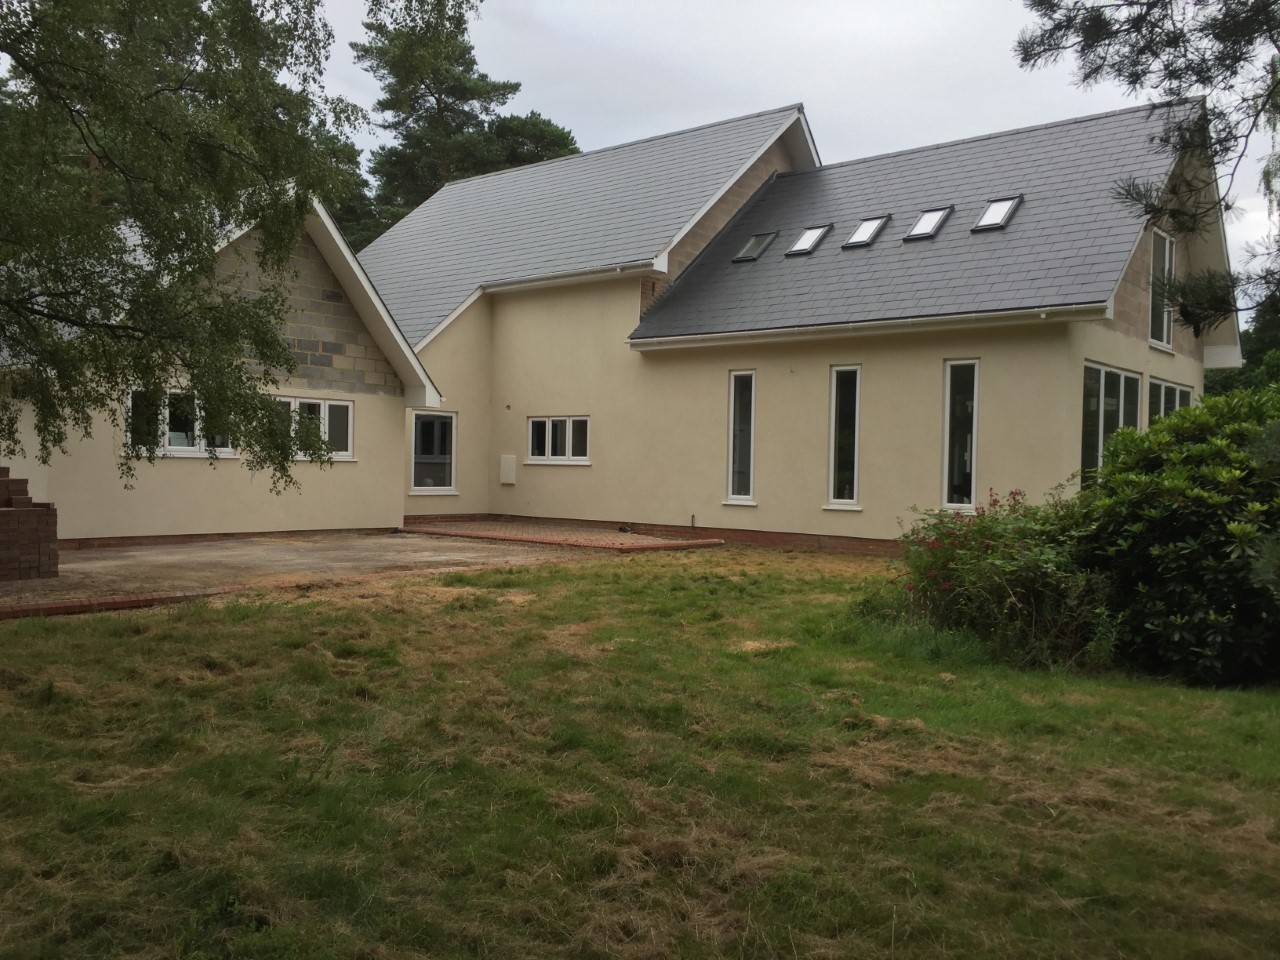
(638, 756)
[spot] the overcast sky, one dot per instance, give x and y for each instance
(873, 75)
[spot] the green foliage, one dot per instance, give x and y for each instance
(1222, 50)
(1260, 347)
(591, 768)
(131, 141)
(1009, 574)
(442, 110)
(1184, 513)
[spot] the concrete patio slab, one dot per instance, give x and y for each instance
(166, 572)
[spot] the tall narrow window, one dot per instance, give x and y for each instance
(1161, 273)
(741, 434)
(962, 430)
(843, 488)
(1110, 402)
(433, 452)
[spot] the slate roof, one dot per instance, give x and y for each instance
(1067, 243)
(608, 207)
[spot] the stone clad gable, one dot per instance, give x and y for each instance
(330, 343)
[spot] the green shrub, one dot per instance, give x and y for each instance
(1184, 513)
(1009, 574)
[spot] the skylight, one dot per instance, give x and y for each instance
(810, 239)
(866, 231)
(755, 246)
(998, 213)
(929, 223)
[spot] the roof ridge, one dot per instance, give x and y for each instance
(1149, 107)
(629, 143)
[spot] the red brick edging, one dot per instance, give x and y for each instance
(562, 542)
(167, 539)
(123, 601)
(827, 543)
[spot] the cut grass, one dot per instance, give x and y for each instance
(658, 755)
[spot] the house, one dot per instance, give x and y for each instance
(356, 373)
(711, 330)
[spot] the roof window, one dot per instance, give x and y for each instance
(929, 223)
(998, 213)
(809, 240)
(755, 246)
(866, 231)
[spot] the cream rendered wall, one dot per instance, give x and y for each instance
(659, 420)
(460, 361)
(29, 468)
(188, 495)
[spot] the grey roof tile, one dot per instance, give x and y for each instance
(592, 210)
(1068, 242)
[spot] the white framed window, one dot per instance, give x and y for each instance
(175, 421)
(842, 476)
(959, 486)
(1161, 273)
(336, 420)
(755, 247)
(928, 223)
(559, 440)
(998, 213)
(1111, 400)
(742, 435)
(865, 233)
(1163, 398)
(434, 469)
(808, 241)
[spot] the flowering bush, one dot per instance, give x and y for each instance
(1010, 574)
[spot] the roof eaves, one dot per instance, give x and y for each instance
(1013, 315)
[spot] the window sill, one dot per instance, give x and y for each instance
(1162, 347)
(738, 503)
(556, 463)
(331, 460)
(189, 455)
(960, 507)
(433, 492)
(845, 507)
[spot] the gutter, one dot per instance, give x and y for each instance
(955, 321)
(573, 276)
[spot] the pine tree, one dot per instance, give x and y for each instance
(1223, 50)
(442, 110)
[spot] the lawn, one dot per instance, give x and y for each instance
(699, 755)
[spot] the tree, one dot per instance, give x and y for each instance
(1260, 346)
(133, 137)
(1224, 50)
(441, 110)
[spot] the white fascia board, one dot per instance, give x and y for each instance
(832, 331)
(458, 311)
(1223, 356)
(610, 272)
(796, 116)
(419, 390)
